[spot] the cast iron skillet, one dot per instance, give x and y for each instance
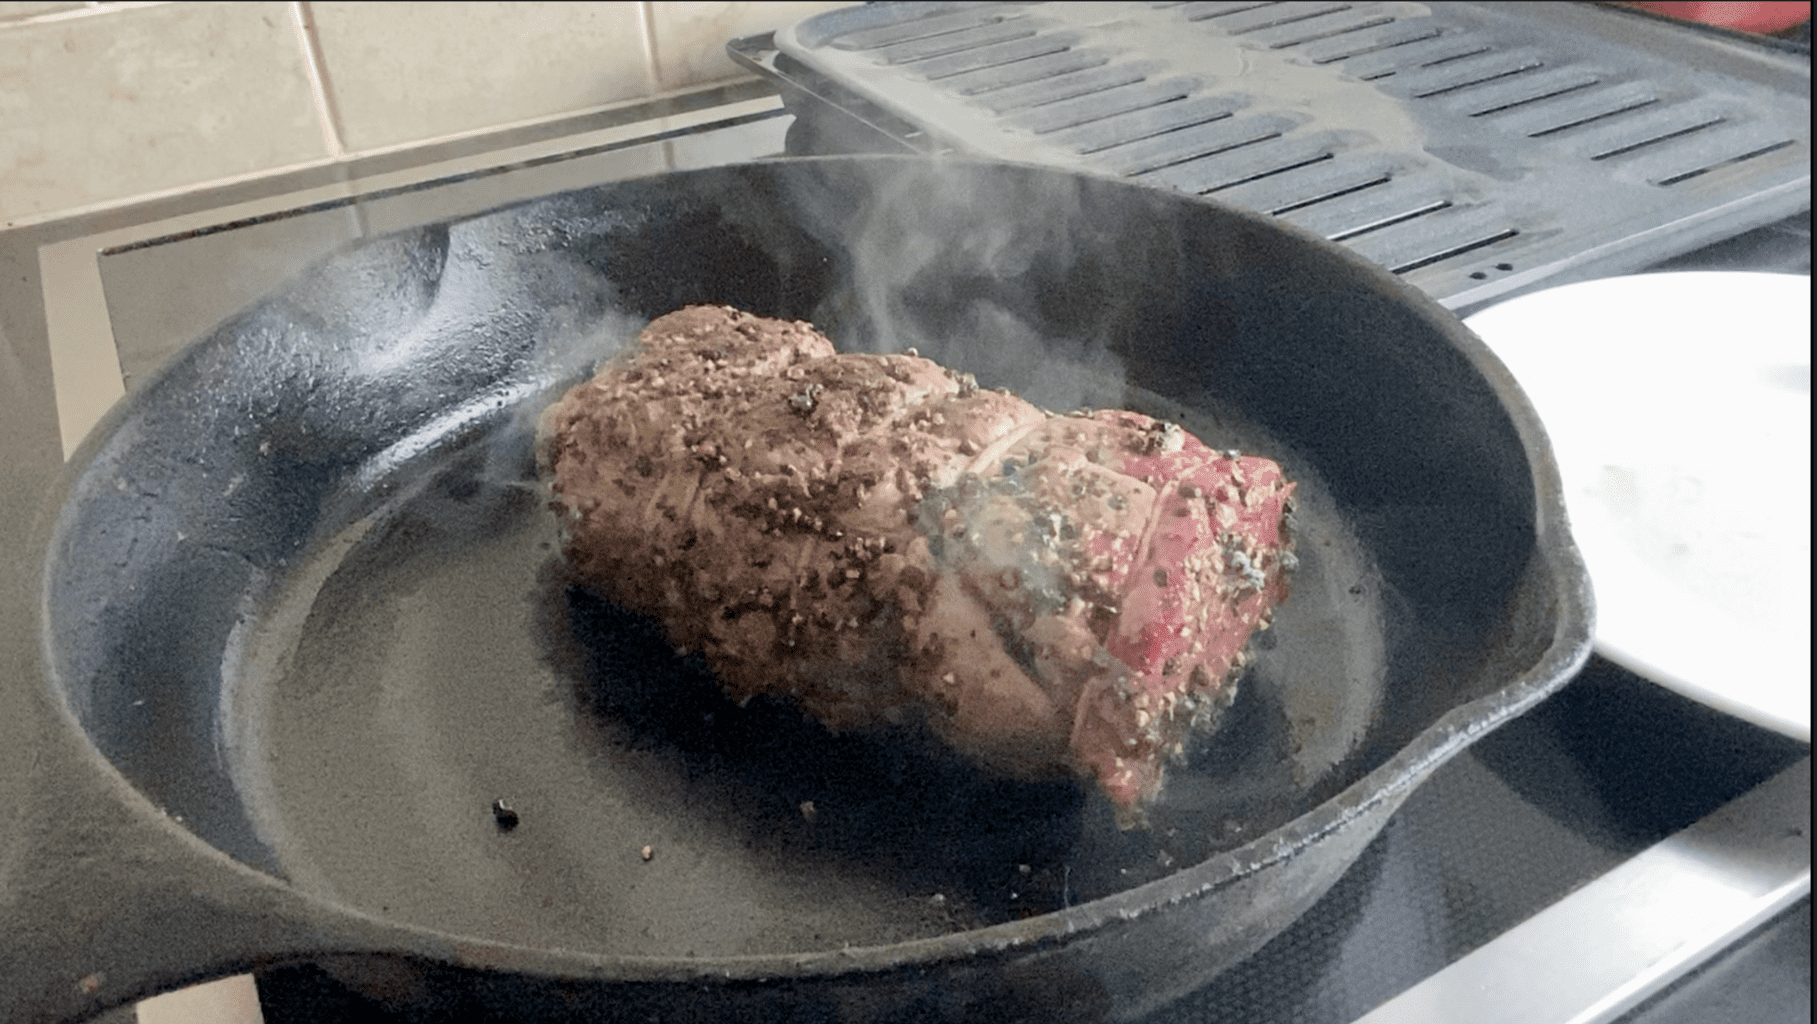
(302, 623)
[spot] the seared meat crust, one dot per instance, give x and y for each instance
(884, 542)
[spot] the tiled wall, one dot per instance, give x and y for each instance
(106, 102)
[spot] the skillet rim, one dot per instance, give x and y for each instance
(1553, 554)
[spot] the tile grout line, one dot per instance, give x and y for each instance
(121, 202)
(317, 69)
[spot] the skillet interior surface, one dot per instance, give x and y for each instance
(303, 594)
(407, 678)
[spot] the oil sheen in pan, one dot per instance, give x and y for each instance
(430, 660)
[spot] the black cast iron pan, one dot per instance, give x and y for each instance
(302, 623)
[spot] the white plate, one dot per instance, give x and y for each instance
(1679, 407)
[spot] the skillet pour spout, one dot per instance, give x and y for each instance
(293, 622)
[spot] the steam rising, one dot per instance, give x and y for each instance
(981, 273)
(578, 324)
(995, 274)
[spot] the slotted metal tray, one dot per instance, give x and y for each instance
(1476, 149)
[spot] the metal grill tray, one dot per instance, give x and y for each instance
(1477, 149)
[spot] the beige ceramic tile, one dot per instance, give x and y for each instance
(691, 37)
(144, 99)
(403, 72)
(11, 9)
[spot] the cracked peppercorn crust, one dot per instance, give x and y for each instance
(884, 542)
